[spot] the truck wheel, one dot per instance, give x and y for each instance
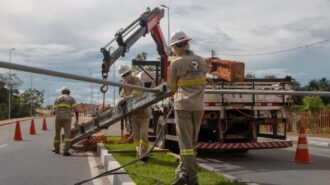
(162, 140)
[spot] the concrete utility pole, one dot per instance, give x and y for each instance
(10, 85)
(168, 26)
(114, 89)
(31, 94)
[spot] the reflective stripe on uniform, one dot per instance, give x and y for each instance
(136, 92)
(144, 143)
(123, 93)
(68, 106)
(187, 152)
(171, 84)
(67, 140)
(57, 141)
(192, 82)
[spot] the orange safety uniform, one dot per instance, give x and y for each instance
(140, 119)
(187, 76)
(64, 105)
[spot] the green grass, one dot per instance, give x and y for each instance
(160, 169)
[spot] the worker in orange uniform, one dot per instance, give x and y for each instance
(140, 119)
(187, 77)
(63, 107)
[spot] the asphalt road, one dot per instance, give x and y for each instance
(272, 166)
(31, 162)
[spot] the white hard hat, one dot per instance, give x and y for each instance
(65, 88)
(178, 36)
(123, 69)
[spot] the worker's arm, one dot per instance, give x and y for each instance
(136, 92)
(172, 78)
(77, 115)
(54, 107)
(76, 111)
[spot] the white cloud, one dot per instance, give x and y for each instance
(67, 35)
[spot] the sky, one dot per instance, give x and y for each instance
(66, 36)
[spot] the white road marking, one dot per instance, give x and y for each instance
(94, 170)
(4, 145)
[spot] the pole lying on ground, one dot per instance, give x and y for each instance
(71, 76)
(154, 90)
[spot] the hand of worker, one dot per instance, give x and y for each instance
(122, 102)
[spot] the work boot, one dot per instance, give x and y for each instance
(145, 159)
(194, 183)
(193, 180)
(180, 180)
(55, 151)
(66, 154)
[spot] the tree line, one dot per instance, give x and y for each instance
(311, 104)
(22, 103)
(26, 102)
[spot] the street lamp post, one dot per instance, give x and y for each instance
(31, 94)
(10, 85)
(168, 25)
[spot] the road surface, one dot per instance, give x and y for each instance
(31, 162)
(272, 166)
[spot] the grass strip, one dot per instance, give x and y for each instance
(161, 168)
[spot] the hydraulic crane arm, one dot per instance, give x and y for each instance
(147, 22)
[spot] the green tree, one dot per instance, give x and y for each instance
(319, 85)
(8, 82)
(250, 76)
(31, 99)
(11, 80)
(270, 77)
(313, 104)
(142, 57)
(297, 100)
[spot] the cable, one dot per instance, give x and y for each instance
(276, 52)
(111, 172)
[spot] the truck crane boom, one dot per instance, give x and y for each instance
(147, 22)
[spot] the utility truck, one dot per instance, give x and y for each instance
(234, 122)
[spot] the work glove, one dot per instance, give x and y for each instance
(122, 102)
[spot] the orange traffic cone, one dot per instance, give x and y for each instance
(44, 125)
(18, 135)
(32, 128)
(302, 154)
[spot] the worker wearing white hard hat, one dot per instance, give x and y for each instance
(63, 107)
(140, 119)
(179, 37)
(187, 77)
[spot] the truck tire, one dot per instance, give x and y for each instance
(162, 141)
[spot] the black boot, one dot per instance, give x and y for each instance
(145, 159)
(55, 151)
(66, 154)
(180, 180)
